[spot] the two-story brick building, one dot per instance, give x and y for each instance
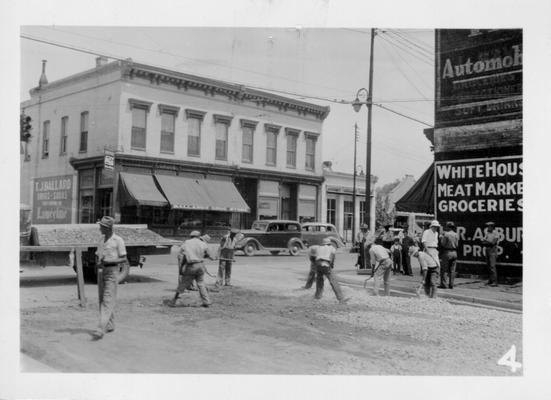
(185, 151)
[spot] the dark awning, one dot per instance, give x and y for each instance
(140, 190)
(420, 198)
(201, 194)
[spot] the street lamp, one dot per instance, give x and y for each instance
(357, 105)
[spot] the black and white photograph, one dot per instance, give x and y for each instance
(263, 205)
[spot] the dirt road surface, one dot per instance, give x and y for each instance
(264, 324)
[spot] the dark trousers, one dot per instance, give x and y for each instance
(491, 259)
(406, 261)
(431, 281)
(324, 270)
(448, 261)
(224, 273)
(311, 276)
(195, 271)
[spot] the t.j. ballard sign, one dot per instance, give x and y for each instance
(479, 76)
(52, 200)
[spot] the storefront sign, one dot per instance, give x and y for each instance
(473, 192)
(53, 200)
(109, 160)
(479, 75)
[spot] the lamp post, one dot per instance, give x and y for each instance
(357, 105)
(354, 188)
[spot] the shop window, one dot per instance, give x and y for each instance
(83, 146)
(63, 138)
(86, 178)
(86, 207)
(331, 211)
(46, 139)
(362, 212)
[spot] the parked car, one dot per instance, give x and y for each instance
(272, 235)
(313, 233)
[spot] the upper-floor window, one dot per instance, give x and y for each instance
(271, 144)
(63, 139)
(138, 137)
(194, 119)
(248, 128)
(222, 124)
(292, 136)
(310, 151)
(139, 128)
(46, 139)
(83, 147)
(168, 122)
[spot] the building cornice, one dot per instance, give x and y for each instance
(210, 87)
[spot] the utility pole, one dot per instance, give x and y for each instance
(367, 210)
(354, 188)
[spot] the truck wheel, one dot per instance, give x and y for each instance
(294, 249)
(250, 249)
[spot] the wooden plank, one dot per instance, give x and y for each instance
(45, 249)
(80, 278)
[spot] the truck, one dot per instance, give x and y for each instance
(139, 241)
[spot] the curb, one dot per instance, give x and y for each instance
(404, 291)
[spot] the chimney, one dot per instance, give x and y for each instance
(101, 61)
(43, 80)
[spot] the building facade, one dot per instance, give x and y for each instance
(478, 142)
(338, 202)
(175, 151)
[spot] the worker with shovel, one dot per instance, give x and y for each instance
(430, 268)
(225, 257)
(381, 264)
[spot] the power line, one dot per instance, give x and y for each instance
(416, 54)
(403, 115)
(424, 50)
(402, 72)
(182, 58)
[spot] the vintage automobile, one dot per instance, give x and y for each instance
(272, 235)
(313, 233)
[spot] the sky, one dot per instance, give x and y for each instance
(326, 66)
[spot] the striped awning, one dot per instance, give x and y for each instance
(139, 189)
(187, 193)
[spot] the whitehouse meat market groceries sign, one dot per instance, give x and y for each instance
(52, 200)
(473, 192)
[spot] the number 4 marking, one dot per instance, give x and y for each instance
(509, 359)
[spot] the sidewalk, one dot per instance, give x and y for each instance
(507, 297)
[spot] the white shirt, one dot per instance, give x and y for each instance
(378, 253)
(430, 238)
(426, 261)
(326, 252)
(112, 249)
(195, 250)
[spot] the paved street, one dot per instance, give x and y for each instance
(264, 324)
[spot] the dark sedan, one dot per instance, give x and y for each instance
(272, 235)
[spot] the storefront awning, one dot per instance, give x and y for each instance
(140, 190)
(420, 197)
(201, 194)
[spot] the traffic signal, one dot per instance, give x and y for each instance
(25, 127)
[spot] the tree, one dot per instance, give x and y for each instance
(382, 216)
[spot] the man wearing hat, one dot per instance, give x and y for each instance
(388, 237)
(490, 242)
(448, 243)
(225, 255)
(195, 251)
(325, 260)
(429, 270)
(364, 240)
(110, 253)
(429, 240)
